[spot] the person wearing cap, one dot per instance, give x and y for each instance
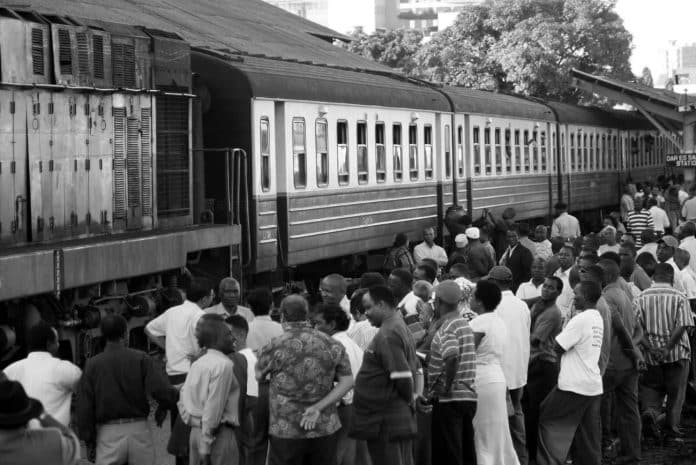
(429, 249)
(51, 444)
(665, 254)
(515, 314)
(479, 260)
(459, 253)
(518, 259)
(565, 225)
(451, 381)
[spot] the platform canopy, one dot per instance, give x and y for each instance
(668, 111)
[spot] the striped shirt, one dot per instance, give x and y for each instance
(454, 339)
(362, 332)
(661, 309)
(637, 223)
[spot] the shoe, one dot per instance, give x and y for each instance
(611, 449)
(650, 427)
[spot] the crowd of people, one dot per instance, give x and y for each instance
(520, 345)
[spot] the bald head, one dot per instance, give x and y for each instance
(294, 308)
(333, 288)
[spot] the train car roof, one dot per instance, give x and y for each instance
(285, 80)
(493, 103)
(593, 116)
(234, 26)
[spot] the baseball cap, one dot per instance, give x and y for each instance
(670, 241)
(473, 233)
(500, 273)
(448, 291)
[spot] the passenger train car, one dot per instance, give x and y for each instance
(128, 153)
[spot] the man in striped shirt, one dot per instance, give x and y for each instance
(664, 314)
(451, 374)
(638, 221)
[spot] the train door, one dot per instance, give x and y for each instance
(13, 187)
(98, 159)
(41, 147)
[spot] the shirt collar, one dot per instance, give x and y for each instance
(507, 292)
(39, 354)
(288, 325)
(661, 285)
(263, 317)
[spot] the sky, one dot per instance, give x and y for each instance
(653, 23)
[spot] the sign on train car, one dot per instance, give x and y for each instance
(681, 160)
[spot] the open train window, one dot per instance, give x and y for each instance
(573, 165)
(343, 161)
(396, 153)
(518, 152)
(563, 153)
(413, 152)
(591, 162)
(605, 160)
(584, 153)
(477, 149)
(535, 152)
(363, 173)
(460, 151)
(487, 150)
(508, 151)
(598, 153)
(428, 149)
(321, 130)
(299, 152)
(265, 143)
(448, 152)
(380, 153)
(542, 149)
(526, 163)
(498, 153)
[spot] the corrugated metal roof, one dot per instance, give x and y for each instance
(297, 81)
(593, 116)
(238, 26)
(492, 103)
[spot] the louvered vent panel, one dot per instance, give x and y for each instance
(133, 162)
(98, 46)
(123, 59)
(83, 53)
(64, 52)
(146, 159)
(119, 170)
(37, 51)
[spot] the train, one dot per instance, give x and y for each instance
(129, 153)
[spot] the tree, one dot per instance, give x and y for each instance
(646, 77)
(528, 47)
(395, 48)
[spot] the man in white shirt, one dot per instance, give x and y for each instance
(688, 243)
(665, 254)
(428, 249)
(175, 329)
(566, 258)
(362, 331)
(659, 216)
(262, 328)
(515, 313)
(565, 225)
(43, 376)
(333, 291)
(229, 293)
(570, 413)
(532, 288)
(687, 276)
(331, 320)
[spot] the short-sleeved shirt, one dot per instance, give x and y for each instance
(515, 314)
(220, 309)
(546, 325)
(582, 341)
(454, 339)
(661, 308)
(303, 364)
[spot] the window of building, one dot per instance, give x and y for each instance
(448, 152)
(428, 149)
(343, 155)
(299, 153)
(542, 149)
(498, 152)
(585, 165)
(380, 153)
(413, 151)
(363, 173)
(487, 150)
(573, 165)
(508, 151)
(460, 151)
(322, 140)
(476, 137)
(563, 153)
(397, 153)
(527, 161)
(265, 142)
(518, 152)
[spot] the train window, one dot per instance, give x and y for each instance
(64, 52)
(498, 153)
(598, 159)
(634, 152)
(508, 151)
(413, 151)
(460, 151)
(477, 150)
(487, 149)
(605, 161)
(265, 143)
(584, 153)
(542, 144)
(448, 152)
(526, 151)
(535, 152)
(563, 153)
(428, 149)
(573, 165)
(363, 172)
(322, 149)
(37, 51)
(590, 163)
(380, 153)
(343, 161)
(518, 152)
(396, 152)
(299, 153)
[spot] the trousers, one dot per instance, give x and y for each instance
(314, 451)
(453, 433)
(223, 451)
(542, 376)
(395, 452)
(624, 385)
(669, 379)
(126, 443)
(516, 422)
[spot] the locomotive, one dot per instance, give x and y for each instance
(129, 152)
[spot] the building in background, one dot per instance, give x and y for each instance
(680, 67)
(346, 16)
